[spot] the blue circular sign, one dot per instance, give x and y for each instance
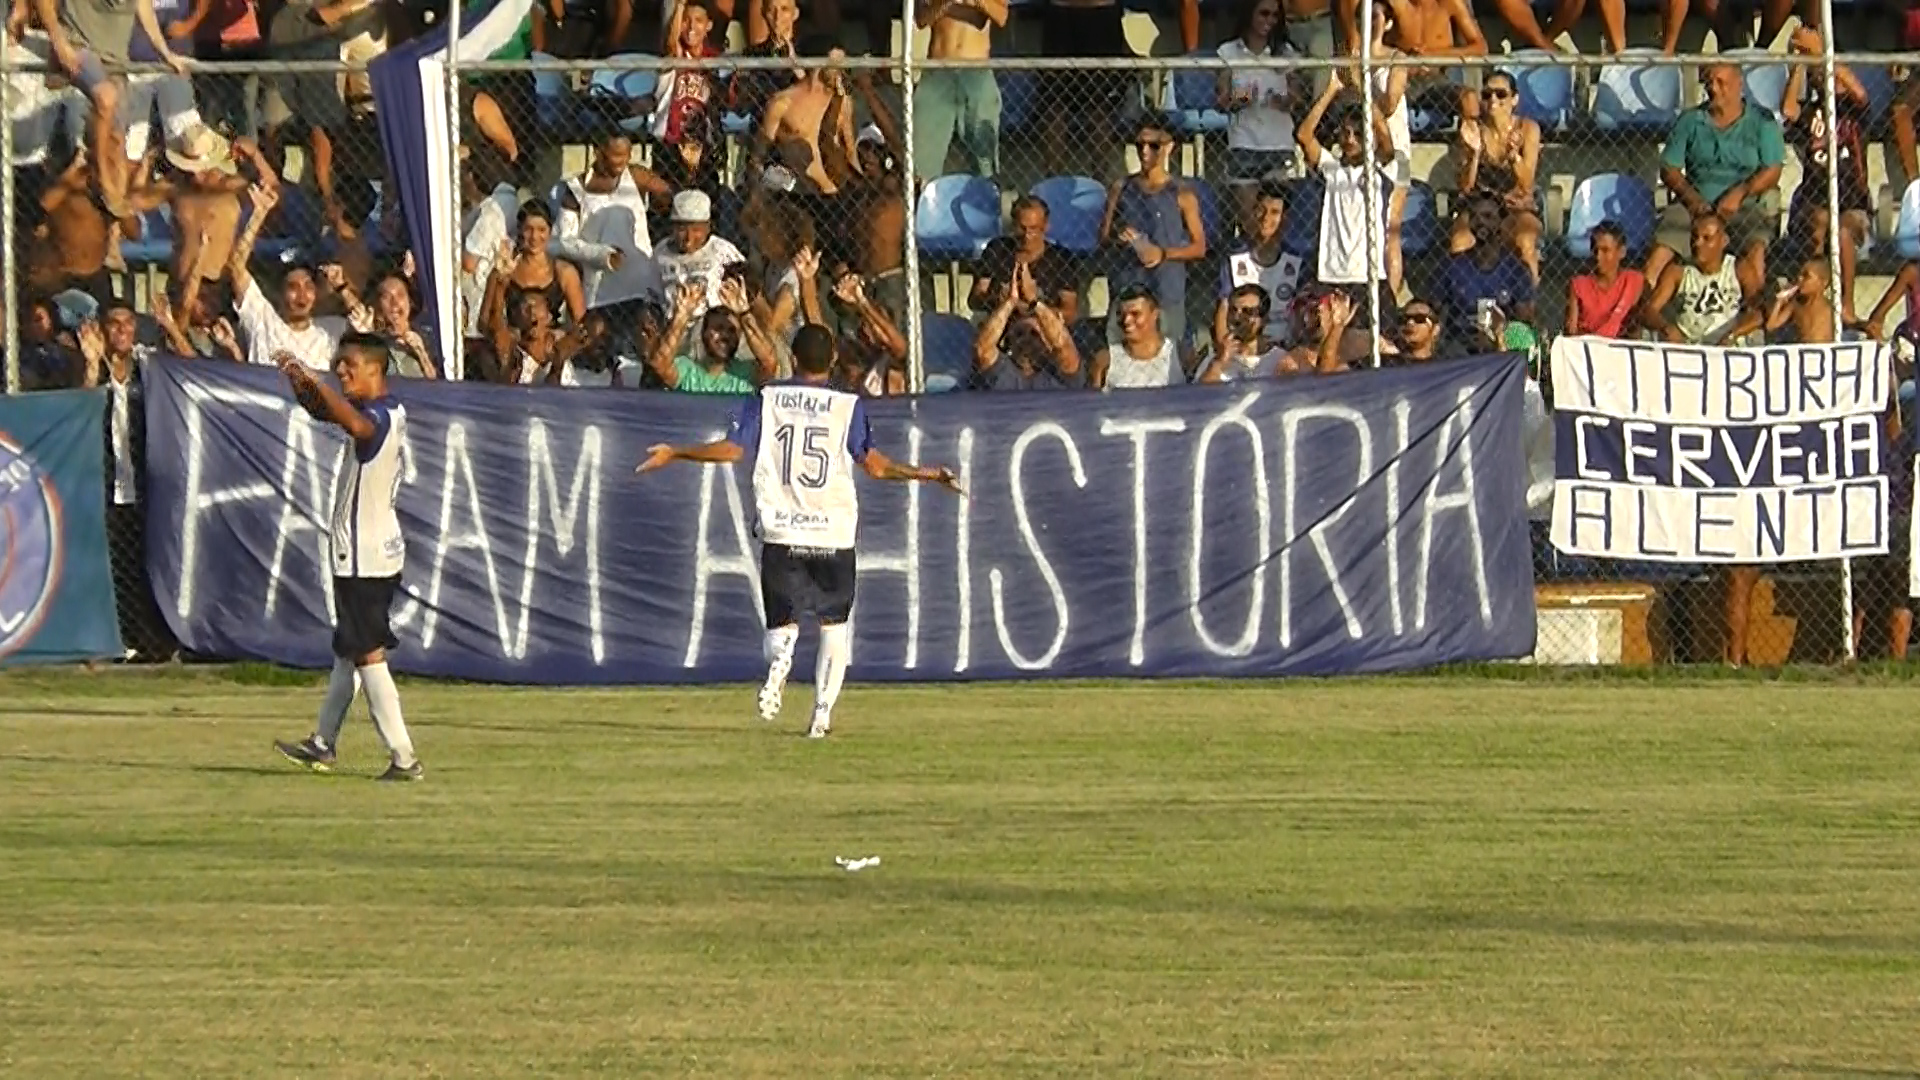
(29, 545)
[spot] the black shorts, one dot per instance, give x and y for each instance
(796, 581)
(361, 615)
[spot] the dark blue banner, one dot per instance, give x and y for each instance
(1365, 522)
(56, 586)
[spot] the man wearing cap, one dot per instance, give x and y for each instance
(963, 103)
(692, 255)
(204, 189)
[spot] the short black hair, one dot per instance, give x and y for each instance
(1136, 292)
(1611, 228)
(1273, 189)
(372, 346)
(1254, 290)
(813, 349)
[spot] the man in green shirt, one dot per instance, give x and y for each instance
(718, 368)
(1723, 158)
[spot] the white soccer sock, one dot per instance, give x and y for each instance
(836, 649)
(342, 685)
(384, 699)
(779, 652)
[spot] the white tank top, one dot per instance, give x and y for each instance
(617, 218)
(1708, 304)
(1126, 373)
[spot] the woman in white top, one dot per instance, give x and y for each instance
(1260, 133)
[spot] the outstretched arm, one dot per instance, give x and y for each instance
(661, 455)
(881, 467)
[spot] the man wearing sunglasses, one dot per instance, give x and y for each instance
(1154, 218)
(1245, 351)
(1420, 340)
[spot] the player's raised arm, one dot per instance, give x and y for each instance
(323, 402)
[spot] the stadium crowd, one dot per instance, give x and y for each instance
(671, 261)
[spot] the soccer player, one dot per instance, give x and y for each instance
(804, 438)
(368, 550)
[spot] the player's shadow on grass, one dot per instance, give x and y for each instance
(152, 766)
(25, 708)
(1837, 1072)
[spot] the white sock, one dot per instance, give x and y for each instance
(778, 649)
(836, 649)
(342, 685)
(384, 699)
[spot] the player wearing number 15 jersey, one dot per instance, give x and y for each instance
(804, 439)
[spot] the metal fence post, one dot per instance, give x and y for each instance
(909, 190)
(10, 277)
(456, 350)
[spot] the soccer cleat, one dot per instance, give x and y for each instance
(770, 690)
(821, 727)
(308, 753)
(396, 773)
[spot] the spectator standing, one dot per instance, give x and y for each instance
(694, 256)
(1803, 109)
(1050, 268)
(74, 241)
(771, 29)
(688, 93)
(113, 361)
(1723, 158)
(492, 204)
(1486, 286)
(1089, 102)
(1030, 351)
(1345, 262)
(203, 186)
(1156, 215)
(85, 36)
(962, 104)
(171, 90)
(1258, 100)
(1501, 158)
(1881, 582)
(1261, 260)
(227, 31)
(873, 196)
(603, 224)
(1389, 97)
(1605, 302)
(292, 327)
(1143, 357)
(799, 125)
(307, 108)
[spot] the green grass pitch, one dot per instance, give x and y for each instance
(1414, 877)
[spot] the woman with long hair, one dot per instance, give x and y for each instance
(1257, 98)
(1500, 155)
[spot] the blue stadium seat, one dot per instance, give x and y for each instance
(1878, 81)
(956, 216)
(1075, 205)
(1611, 197)
(1300, 230)
(626, 84)
(1763, 75)
(1213, 221)
(1636, 97)
(1019, 99)
(553, 100)
(1191, 98)
(1546, 89)
(155, 245)
(946, 343)
(1906, 230)
(1421, 229)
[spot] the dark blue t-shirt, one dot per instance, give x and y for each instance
(1465, 284)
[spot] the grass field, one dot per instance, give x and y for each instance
(1422, 877)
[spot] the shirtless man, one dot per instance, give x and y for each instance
(204, 192)
(73, 245)
(958, 103)
(85, 36)
(1435, 28)
(794, 126)
(874, 203)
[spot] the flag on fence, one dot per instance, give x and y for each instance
(1693, 454)
(415, 113)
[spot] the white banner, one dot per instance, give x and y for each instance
(1690, 454)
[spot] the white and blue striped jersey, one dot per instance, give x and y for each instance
(366, 524)
(804, 440)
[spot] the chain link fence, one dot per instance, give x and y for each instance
(971, 224)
